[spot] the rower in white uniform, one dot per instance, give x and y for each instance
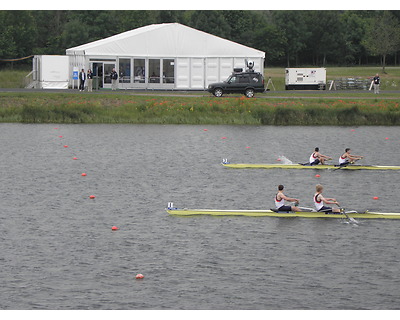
(347, 158)
(318, 158)
(280, 201)
(320, 200)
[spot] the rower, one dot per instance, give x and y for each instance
(317, 157)
(320, 200)
(280, 201)
(347, 158)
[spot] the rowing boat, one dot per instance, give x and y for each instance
(300, 166)
(271, 213)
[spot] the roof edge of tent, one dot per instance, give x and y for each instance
(81, 49)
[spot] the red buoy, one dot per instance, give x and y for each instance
(83, 174)
(74, 158)
(375, 198)
(317, 176)
(65, 146)
(139, 276)
(92, 197)
(114, 228)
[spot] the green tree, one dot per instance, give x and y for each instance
(271, 40)
(295, 31)
(383, 36)
(326, 38)
(353, 30)
(212, 22)
(75, 33)
(20, 32)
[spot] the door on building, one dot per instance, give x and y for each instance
(107, 74)
(97, 70)
(102, 74)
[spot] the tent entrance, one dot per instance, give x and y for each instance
(107, 74)
(102, 74)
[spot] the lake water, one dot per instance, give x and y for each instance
(59, 252)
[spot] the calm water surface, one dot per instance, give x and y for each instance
(58, 250)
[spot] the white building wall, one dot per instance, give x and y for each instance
(211, 70)
(225, 68)
(182, 71)
(197, 74)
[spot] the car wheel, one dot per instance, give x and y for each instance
(249, 93)
(218, 92)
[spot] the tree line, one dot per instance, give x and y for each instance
(289, 38)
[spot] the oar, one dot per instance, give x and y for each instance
(345, 165)
(351, 219)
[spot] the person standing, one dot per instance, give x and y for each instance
(377, 82)
(90, 80)
(280, 201)
(82, 78)
(114, 78)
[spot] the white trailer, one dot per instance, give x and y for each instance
(50, 72)
(305, 79)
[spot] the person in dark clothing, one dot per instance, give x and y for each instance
(377, 81)
(82, 78)
(114, 77)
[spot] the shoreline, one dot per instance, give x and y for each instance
(297, 108)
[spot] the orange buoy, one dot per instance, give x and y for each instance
(114, 228)
(139, 276)
(375, 198)
(83, 174)
(317, 176)
(92, 197)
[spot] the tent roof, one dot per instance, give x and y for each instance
(165, 40)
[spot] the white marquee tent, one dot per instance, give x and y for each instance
(163, 56)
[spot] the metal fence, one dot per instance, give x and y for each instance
(349, 84)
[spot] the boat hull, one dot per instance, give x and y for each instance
(299, 166)
(270, 213)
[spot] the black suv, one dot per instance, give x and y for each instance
(247, 83)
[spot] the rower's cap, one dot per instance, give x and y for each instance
(280, 187)
(316, 149)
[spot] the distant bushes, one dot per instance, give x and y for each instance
(75, 108)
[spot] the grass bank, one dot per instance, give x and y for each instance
(389, 80)
(94, 108)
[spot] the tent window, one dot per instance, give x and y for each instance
(139, 69)
(124, 70)
(154, 68)
(168, 71)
